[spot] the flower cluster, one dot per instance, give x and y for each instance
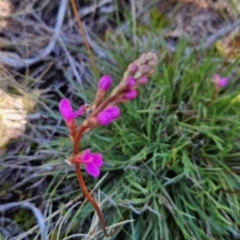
(105, 109)
(218, 80)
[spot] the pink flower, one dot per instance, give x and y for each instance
(105, 82)
(108, 114)
(130, 81)
(66, 111)
(218, 80)
(130, 94)
(104, 118)
(142, 80)
(92, 162)
(114, 111)
(133, 67)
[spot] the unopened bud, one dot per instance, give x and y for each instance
(133, 68)
(130, 94)
(142, 80)
(105, 82)
(130, 81)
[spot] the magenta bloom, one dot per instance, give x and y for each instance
(92, 162)
(108, 114)
(105, 82)
(114, 111)
(130, 81)
(218, 80)
(130, 94)
(104, 118)
(66, 111)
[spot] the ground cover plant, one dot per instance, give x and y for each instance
(172, 156)
(170, 160)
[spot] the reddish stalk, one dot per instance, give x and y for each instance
(82, 184)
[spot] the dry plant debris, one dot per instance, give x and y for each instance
(231, 6)
(13, 112)
(5, 9)
(197, 20)
(229, 46)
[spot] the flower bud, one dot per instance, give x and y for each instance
(133, 67)
(114, 111)
(130, 94)
(142, 80)
(130, 81)
(105, 82)
(104, 118)
(66, 110)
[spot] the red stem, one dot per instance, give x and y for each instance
(82, 183)
(90, 199)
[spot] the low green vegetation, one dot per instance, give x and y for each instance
(172, 156)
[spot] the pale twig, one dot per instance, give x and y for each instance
(125, 25)
(36, 211)
(80, 25)
(17, 62)
(133, 10)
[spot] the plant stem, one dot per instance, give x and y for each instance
(80, 25)
(82, 183)
(89, 197)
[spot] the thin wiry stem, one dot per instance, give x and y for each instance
(79, 22)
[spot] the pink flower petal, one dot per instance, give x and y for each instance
(92, 169)
(218, 80)
(130, 94)
(104, 118)
(78, 112)
(114, 111)
(133, 67)
(130, 81)
(65, 108)
(222, 82)
(97, 159)
(86, 156)
(66, 111)
(142, 80)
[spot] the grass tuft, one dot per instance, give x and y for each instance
(172, 159)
